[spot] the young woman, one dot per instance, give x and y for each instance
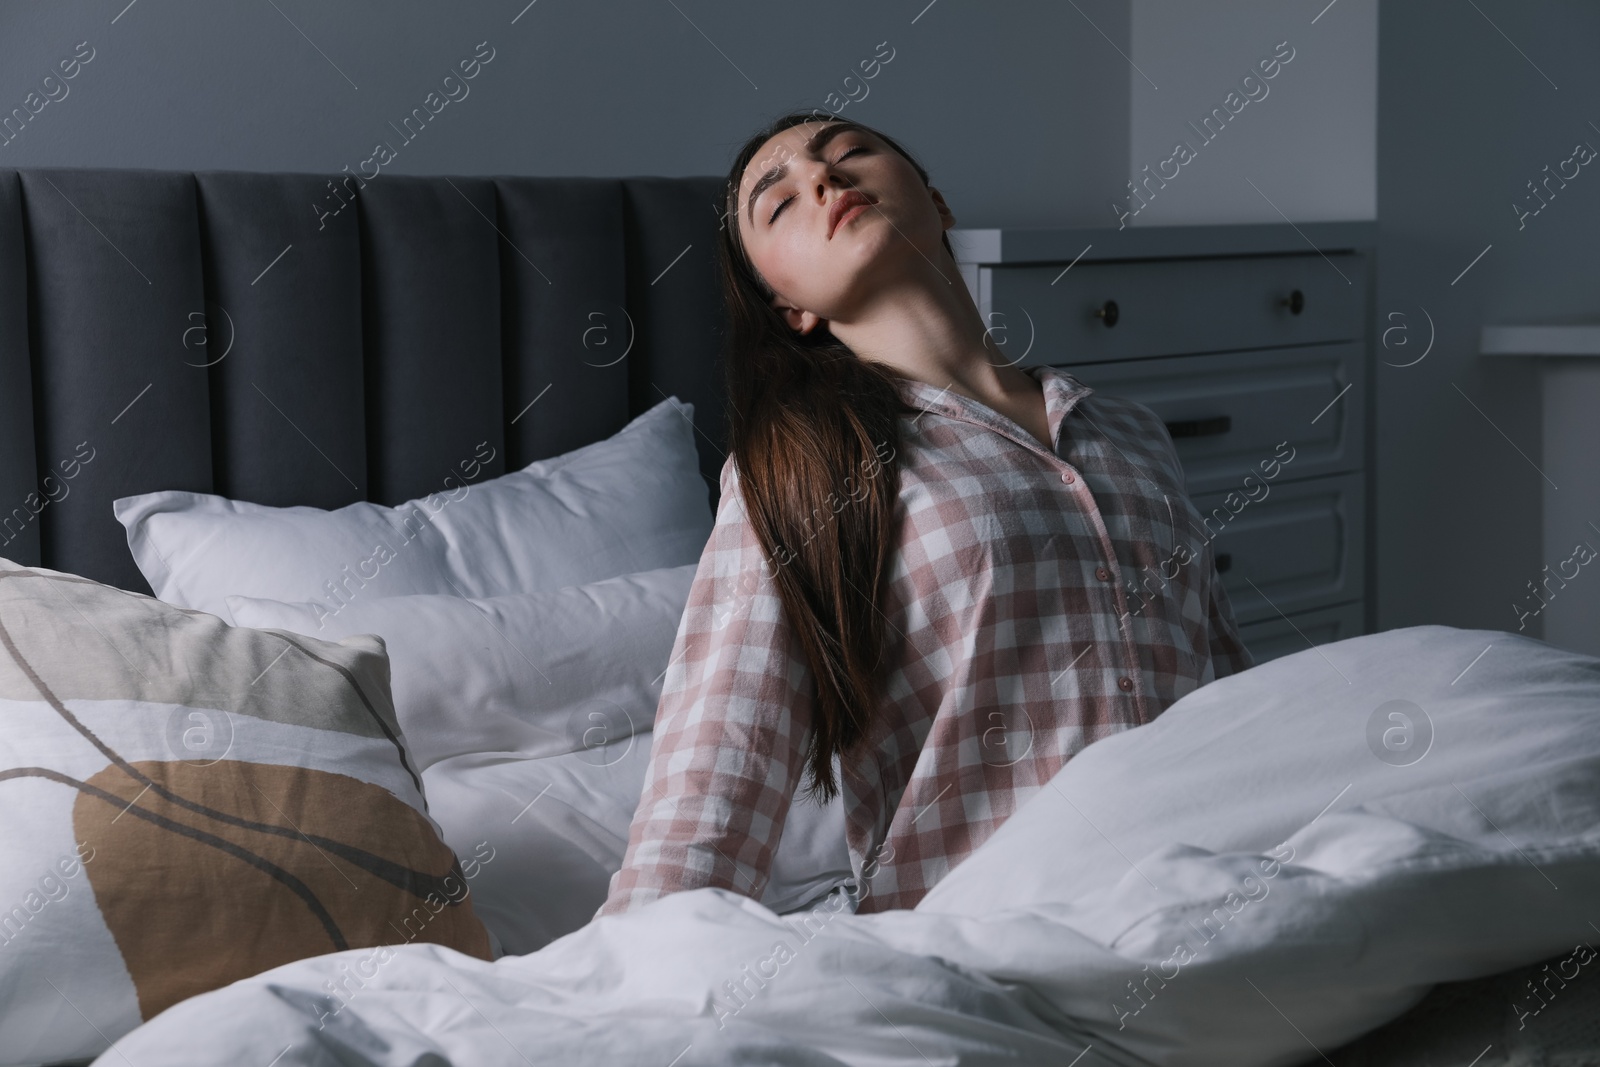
(934, 577)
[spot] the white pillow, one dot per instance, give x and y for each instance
(527, 675)
(530, 718)
(558, 828)
(633, 502)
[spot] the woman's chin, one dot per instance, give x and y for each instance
(881, 252)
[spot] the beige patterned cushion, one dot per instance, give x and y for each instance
(184, 804)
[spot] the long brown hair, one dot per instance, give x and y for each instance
(814, 433)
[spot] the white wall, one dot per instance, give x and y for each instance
(1309, 143)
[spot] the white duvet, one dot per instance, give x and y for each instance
(1274, 866)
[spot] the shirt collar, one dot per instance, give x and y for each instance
(1061, 394)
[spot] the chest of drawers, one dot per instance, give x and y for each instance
(1253, 344)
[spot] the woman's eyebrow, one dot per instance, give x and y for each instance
(814, 144)
(767, 181)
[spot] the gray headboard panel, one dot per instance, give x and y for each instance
(245, 334)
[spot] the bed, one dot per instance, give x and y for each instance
(1267, 874)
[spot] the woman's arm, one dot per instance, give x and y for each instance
(1228, 654)
(730, 730)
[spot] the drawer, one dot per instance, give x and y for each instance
(1170, 307)
(1281, 637)
(1302, 544)
(1227, 413)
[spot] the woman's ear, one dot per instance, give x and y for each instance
(945, 215)
(801, 322)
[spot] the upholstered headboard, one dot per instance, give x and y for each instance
(284, 339)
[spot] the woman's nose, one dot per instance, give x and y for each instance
(829, 179)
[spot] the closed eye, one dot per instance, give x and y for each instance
(785, 202)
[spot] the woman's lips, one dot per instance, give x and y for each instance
(848, 214)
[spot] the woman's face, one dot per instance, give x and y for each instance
(787, 213)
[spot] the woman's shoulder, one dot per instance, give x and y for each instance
(730, 473)
(903, 453)
(731, 509)
(1137, 432)
(1128, 414)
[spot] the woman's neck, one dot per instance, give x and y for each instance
(927, 328)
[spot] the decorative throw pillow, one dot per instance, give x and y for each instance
(189, 803)
(633, 502)
(529, 674)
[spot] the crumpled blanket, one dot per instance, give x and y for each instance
(1225, 945)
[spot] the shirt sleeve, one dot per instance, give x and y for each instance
(1228, 653)
(730, 729)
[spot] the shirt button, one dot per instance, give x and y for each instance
(1125, 684)
(1102, 574)
(1066, 476)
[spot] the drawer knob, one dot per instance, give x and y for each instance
(1107, 313)
(1211, 427)
(1295, 302)
(1224, 562)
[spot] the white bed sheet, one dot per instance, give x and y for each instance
(1481, 856)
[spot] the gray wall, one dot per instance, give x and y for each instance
(1309, 142)
(1466, 121)
(1021, 115)
(1028, 114)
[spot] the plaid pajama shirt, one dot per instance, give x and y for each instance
(1038, 601)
